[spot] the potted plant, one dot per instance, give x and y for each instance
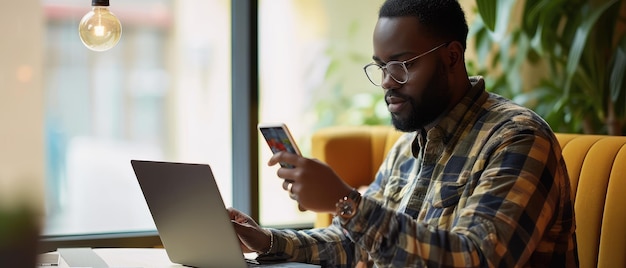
(582, 45)
(19, 235)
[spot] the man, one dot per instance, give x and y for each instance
(476, 181)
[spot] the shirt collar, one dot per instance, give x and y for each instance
(446, 128)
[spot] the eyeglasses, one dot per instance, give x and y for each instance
(396, 69)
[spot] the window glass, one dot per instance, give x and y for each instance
(161, 94)
(312, 55)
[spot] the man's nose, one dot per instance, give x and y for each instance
(388, 82)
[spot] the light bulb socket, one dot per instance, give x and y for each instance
(100, 3)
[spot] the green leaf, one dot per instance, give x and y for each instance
(503, 16)
(617, 87)
(540, 21)
(618, 72)
(580, 40)
(487, 10)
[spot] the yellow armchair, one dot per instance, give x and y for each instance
(596, 165)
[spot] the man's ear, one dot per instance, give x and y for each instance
(455, 54)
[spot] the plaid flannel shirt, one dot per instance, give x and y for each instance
(485, 187)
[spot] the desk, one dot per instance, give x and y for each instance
(130, 257)
(146, 257)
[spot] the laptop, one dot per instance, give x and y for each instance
(190, 216)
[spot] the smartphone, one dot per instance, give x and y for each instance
(279, 138)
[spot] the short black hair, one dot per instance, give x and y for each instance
(443, 18)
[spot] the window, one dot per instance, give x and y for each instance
(161, 93)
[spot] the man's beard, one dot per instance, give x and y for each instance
(412, 123)
(433, 103)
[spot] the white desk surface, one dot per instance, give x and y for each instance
(144, 258)
(130, 258)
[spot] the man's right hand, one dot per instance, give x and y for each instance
(252, 237)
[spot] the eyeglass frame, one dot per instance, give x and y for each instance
(402, 63)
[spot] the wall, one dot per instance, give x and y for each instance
(21, 104)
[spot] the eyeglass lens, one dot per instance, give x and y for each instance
(376, 73)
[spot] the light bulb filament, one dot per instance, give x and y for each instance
(99, 30)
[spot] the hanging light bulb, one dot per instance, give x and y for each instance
(99, 29)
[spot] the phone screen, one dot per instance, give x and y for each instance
(279, 139)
